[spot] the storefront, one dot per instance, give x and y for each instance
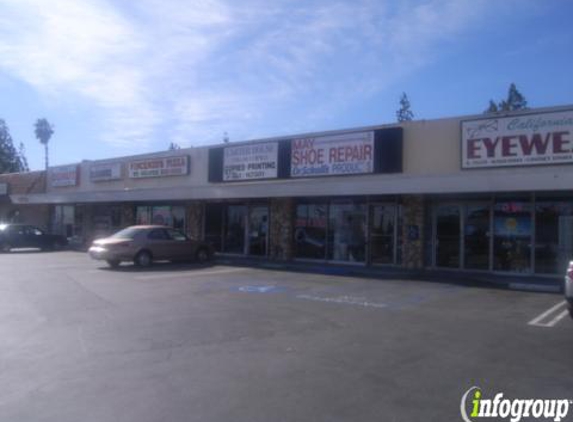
(509, 233)
(486, 193)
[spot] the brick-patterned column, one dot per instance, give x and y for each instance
(281, 229)
(195, 219)
(413, 232)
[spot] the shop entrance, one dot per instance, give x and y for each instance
(238, 228)
(258, 230)
(448, 236)
(383, 232)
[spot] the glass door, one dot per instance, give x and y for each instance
(512, 235)
(477, 237)
(382, 233)
(448, 236)
(258, 230)
(235, 229)
(347, 232)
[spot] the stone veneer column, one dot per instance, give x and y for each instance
(413, 225)
(281, 229)
(195, 219)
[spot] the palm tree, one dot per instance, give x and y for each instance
(44, 131)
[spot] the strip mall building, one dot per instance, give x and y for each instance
(491, 193)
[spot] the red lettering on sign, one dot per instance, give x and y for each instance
(537, 144)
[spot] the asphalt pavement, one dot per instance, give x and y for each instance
(81, 342)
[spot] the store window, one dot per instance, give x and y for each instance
(347, 232)
(236, 223)
(258, 230)
(383, 233)
(553, 235)
(448, 234)
(477, 236)
(64, 220)
(214, 225)
(512, 226)
(106, 220)
(164, 215)
(310, 230)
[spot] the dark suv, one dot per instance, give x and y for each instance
(25, 236)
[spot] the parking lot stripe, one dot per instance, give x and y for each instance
(537, 320)
(557, 318)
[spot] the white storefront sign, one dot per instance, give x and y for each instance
(525, 140)
(249, 162)
(103, 172)
(349, 153)
(64, 176)
(159, 167)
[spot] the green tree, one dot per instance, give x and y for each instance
(11, 160)
(44, 131)
(404, 113)
(514, 101)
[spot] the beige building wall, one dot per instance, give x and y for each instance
(431, 147)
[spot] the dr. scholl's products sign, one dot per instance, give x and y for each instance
(159, 167)
(249, 162)
(349, 153)
(525, 140)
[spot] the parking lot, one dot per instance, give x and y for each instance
(82, 342)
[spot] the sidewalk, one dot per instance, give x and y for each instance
(524, 282)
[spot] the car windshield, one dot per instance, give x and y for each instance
(128, 233)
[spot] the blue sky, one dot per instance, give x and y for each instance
(127, 77)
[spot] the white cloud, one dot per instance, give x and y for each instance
(192, 70)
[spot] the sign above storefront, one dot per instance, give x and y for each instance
(526, 140)
(3, 189)
(349, 153)
(159, 167)
(251, 162)
(103, 172)
(64, 176)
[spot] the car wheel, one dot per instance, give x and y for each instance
(113, 263)
(143, 259)
(202, 256)
(5, 247)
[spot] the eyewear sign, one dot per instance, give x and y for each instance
(518, 141)
(350, 153)
(249, 162)
(159, 167)
(64, 176)
(105, 171)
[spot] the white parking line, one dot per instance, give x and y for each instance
(195, 273)
(548, 313)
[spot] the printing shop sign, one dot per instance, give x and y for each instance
(250, 162)
(349, 153)
(159, 167)
(526, 140)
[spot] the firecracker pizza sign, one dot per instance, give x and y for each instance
(349, 153)
(159, 167)
(527, 140)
